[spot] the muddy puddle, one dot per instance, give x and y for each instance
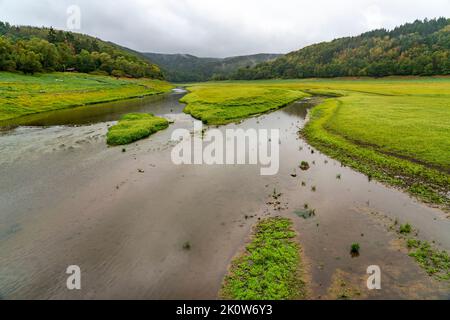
(125, 217)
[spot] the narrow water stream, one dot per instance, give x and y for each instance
(68, 199)
(99, 113)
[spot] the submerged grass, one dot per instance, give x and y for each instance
(22, 95)
(270, 267)
(135, 126)
(434, 261)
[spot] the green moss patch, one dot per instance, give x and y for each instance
(270, 267)
(222, 104)
(135, 126)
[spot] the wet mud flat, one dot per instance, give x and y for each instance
(125, 217)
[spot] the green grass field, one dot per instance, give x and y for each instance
(270, 267)
(135, 126)
(22, 95)
(222, 104)
(396, 130)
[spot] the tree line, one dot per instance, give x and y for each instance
(418, 48)
(31, 50)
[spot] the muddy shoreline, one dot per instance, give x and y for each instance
(34, 118)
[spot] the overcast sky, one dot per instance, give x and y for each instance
(222, 28)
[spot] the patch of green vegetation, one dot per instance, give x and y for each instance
(22, 95)
(270, 267)
(222, 104)
(436, 263)
(135, 126)
(412, 243)
(304, 165)
(405, 228)
(355, 248)
(406, 126)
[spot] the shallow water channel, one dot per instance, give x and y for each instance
(124, 217)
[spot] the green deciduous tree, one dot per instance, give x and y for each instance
(28, 62)
(418, 48)
(6, 55)
(85, 62)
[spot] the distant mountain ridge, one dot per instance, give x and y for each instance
(418, 48)
(188, 68)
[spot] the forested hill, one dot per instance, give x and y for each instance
(189, 68)
(419, 48)
(31, 49)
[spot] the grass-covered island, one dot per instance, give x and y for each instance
(135, 126)
(218, 104)
(270, 269)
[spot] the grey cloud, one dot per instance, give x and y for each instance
(218, 27)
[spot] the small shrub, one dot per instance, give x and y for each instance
(413, 243)
(304, 165)
(405, 228)
(355, 248)
(187, 246)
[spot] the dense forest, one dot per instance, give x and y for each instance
(419, 48)
(30, 50)
(189, 68)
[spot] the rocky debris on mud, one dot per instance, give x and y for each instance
(304, 166)
(275, 202)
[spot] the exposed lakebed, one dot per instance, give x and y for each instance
(66, 198)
